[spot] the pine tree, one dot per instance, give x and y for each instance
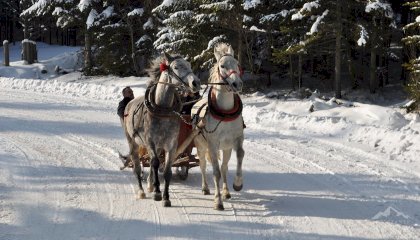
(108, 28)
(179, 27)
(118, 24)
(262, 32)
(10, 18)
(412, 42)
(311, 30)
(193, 27)
(325, 28)
(379, 22)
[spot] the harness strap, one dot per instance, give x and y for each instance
(157, 111)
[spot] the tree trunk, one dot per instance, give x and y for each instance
(50, 35)
(25, 30)
(351, 66)
(380, 65)
(240, 47)
(338, 34)
(133, 49)
(372, 70)
(88, 51)
(291, 71)
(300, 71)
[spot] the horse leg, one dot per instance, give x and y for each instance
(150, 179)
(238, 182)
(167, 175)
(224, 168)
(218, 204)
(137, 168)
(154, 167)
(201, 145)
(203, 162)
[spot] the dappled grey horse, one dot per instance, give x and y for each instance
(152, 121)
(224, 127)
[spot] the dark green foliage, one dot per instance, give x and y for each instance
(412, 42)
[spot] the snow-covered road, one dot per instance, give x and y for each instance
(60, 179)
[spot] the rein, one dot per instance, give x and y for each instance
(164, 67)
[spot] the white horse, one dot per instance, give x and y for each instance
(152, 120)
(224, 126)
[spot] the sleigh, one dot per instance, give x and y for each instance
(185, 158)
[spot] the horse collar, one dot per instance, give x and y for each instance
(158, 111)
(223, 115)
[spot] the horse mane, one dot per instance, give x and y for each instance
(154, 68)
(214, 71)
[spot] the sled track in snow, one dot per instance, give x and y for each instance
(66, 184)
(342, 174)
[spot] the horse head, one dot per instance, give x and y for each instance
(180, 69)
(228, 67)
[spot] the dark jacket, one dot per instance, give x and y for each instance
(121, 106)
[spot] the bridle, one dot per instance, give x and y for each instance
(172, 74)
(225, 77)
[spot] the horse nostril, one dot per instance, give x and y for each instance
(194, 83)
(235, 85)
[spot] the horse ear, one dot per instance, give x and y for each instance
(217, 53)
(230, 51)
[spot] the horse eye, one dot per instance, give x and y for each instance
(222, 66)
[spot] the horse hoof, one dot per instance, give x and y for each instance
(219, 207)
(157, 196)
(142, 195)
(237, 188)
(166, 203)
(227, 196)
(206, 192)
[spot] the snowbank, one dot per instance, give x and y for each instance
(386, 129)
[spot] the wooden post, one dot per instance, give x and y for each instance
(6, 53)
(30, 53)
(25, 51)
(35, 52)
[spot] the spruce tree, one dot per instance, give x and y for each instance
(412, 43)
(379, 16)
(326, 29)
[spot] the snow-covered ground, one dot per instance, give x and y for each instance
(344, 171)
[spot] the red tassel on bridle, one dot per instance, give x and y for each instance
(163, 67)
(241, 71)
